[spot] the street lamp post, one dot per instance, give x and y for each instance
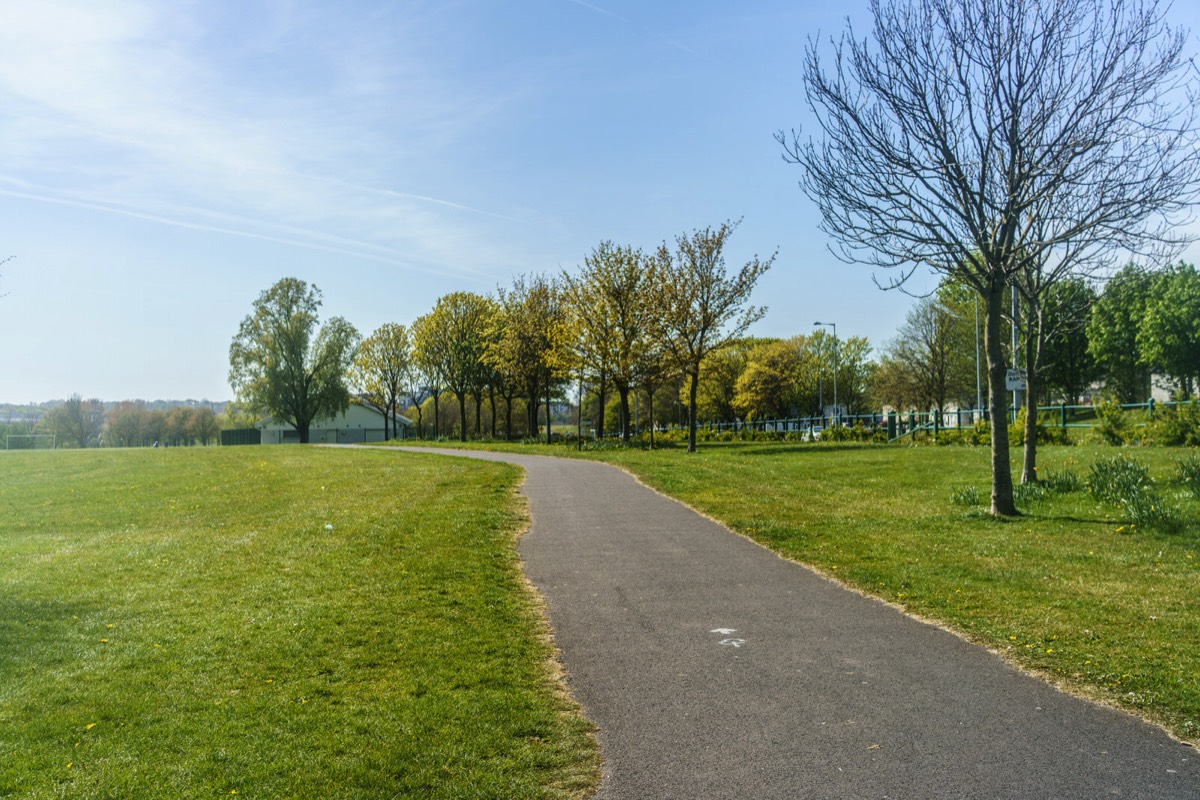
(833, 325)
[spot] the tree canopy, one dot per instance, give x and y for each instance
(703, 306)
(285, 363)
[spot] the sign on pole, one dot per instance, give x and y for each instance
(1014, 380)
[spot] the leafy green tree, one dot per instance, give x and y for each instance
(179, 420)
(203, 425)
(1169, 334)
(126, 424)
(1002, 142)
(284, 362)
(236, 416)
(612, 299)
(534, 341)
(719, 374)
(379, 369)
(767, 387)
(854, 372)
(703, 307)
(1112, 332)
(451, 339)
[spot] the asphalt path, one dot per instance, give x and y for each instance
(715, 669)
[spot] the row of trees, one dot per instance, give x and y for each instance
(1141, 323)
(92, 423)
(629, 319)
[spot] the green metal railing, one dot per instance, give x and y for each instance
(899, 425)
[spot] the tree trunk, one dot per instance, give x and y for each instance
(548, 439)
(650, 405)
(601, 393)
(693, 391)
(462, 416)
(1033, 357)
(437, 417)
(301, 428)
(478, 414)
(492, 402)
(420, 421)
(623, 392)
(531, 412)
(1002, 486)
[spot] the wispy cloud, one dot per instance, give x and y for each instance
(598, 10)
(176, 116)
(244, 228)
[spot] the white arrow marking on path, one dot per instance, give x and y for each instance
(724, 631)
(732, 642)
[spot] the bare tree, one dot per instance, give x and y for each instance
(77, 422)
(703, 307)
(1002, 142)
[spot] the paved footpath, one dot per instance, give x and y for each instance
(715, 669)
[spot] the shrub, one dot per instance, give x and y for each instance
(1047, 433)
(1176, 426)
(1113, 425)
(854, 433)
(1148, 510)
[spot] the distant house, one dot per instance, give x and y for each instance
(359, 424)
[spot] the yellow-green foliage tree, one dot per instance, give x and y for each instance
(532, 343)
(768, 387)
(702, 306)
(612, 302)
(379, 370)
(451, 340)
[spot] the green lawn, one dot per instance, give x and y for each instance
(1069, 589)
(273, 622)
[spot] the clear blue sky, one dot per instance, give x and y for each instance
(161, 164)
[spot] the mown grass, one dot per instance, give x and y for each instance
(273, 622)
(1070, 589)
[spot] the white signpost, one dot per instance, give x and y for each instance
(1014, 380)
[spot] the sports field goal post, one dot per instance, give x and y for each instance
(29, 441)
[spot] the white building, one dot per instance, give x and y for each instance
(358, 424)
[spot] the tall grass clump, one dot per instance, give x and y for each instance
(1125, 483)
(1061, 481)
(1188, 470)
(967, 496)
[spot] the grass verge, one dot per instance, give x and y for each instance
(273, 622)
(1070, 589)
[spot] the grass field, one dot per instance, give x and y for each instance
(273, 622)
(1069, 590)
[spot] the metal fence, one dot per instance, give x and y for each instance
(897, 425)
